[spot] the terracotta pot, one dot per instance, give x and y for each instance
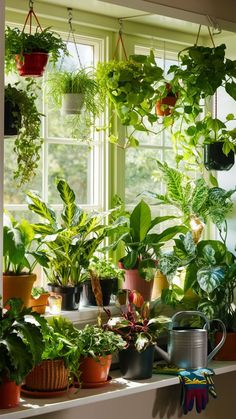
(19, 286)
(72, 103)
(50, 375)
(169, 102)
(32, 65)
(39, 304)
(133, 281)
(95, 371)
(9, 394)
(228, 350)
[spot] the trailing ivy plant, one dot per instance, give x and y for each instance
(132, 88)
(28, 142)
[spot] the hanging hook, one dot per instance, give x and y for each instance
(31, 4)
(70, 16)
(121, 26)
(216, 29)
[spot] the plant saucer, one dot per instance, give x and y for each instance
(93, 384)
(44, 394)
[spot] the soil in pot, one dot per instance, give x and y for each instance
(32, 65)
(215, 159)
(136, 365)
(108, 287)
(95, 370)
(9, 394)
(19, 286)
(70, 296)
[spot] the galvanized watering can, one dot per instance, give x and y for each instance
(187, 348)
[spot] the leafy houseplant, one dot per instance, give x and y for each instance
(60, 358)
(20, 47)
(68, 244)
(27, 122)
(19, 259)
(142, 246)
(140, 331)
(132, 89)
(108, 275)
(77, 94)
(97, 347)
(21, 347)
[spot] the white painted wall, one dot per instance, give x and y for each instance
(2, 24)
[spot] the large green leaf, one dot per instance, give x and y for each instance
(71, 211)
(13, 245)
(211, 278)
(140, 221)
(39, 207)
(219, 248)
(19, 355)
(33, 337)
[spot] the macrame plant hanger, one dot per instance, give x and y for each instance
(31, 64)
(120, 40)
(71, 35)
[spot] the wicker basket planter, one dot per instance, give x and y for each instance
(50, 375)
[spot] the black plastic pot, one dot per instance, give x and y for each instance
(136, 365)
(11, 118)
(108, 286)
(215, 159)
(70, 296)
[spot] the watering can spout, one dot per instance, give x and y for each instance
(163, 354)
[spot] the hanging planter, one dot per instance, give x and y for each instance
(164, 106)
(31, 64)
(72, 103)
(216, 159)
(28, 52)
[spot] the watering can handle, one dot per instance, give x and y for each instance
(190, 313)
(221, 343)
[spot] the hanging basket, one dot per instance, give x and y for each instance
(215, 159)
(72, 103)
(31, 65)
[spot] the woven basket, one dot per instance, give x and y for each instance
(50, 375)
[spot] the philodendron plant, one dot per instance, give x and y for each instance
(132, 88)
(69, 243)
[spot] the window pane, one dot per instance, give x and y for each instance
(13, 195)
(139, 165)
(70, 162)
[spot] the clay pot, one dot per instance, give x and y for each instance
(228, 350)
(18, 286)
(95, 371)
(39, 304)
(32, 65)
(133, 281)
(9, 394)
(50, 375)
(169, 102)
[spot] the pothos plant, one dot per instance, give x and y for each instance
(28, 142)
(132, 89)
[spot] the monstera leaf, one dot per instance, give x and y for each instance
(210, 278)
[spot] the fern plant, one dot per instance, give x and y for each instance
(193, 198)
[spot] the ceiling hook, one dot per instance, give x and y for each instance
(31, 4)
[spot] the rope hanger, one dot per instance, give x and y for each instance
(31, 14)
(72, 35)
(120, 40)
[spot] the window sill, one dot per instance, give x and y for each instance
(118, 387)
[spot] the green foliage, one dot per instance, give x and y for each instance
(38, 291)
(18, 42)
(210, 272)
(132, 89)
(21, 342)
(141, 244)
(18, 238)
(67, 244)
(98, 342)
(28, 120)
(193, 197)
(105, 269)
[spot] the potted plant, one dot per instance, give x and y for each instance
(19, 259)
(108, 275)
(142, 245)
(39, 299)
(22, 116)
(28, 52)
(167, 101)
(132, 88)
(67, 245)
(21, 347)
(139, 330)
(59, 362)
(97, 347)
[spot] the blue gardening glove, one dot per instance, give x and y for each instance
(196, 386)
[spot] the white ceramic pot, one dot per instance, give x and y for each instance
(72, 103)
